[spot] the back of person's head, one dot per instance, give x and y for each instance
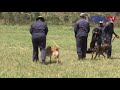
(111, 21)
(40, 18)
(101, 23)
(82, 15)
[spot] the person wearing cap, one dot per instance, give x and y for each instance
(97, 35)
(81, 30)
(108, 32)
(39, 30)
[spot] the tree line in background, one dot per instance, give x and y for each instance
(57, 18)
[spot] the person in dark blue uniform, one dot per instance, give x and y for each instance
(39, 32)
(81, 30)
(108, 32)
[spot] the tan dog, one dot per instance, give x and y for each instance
(53, 52)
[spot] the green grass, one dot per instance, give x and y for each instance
(16, 56)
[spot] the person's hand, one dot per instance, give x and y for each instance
(75, 36)
(116, 36)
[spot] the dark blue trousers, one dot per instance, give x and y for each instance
(39, 42)
(81, 45)
(109, 52)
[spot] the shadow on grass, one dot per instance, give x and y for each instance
(115, 58)
(53, 62)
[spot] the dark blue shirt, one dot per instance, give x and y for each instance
(108, 30)
(39, 28)
(81, 28)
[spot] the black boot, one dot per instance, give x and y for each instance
(35, 60)
(42, 62)
(79, 57)
(89, 50)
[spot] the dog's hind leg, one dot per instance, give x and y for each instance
(57, 59)
(50, 60)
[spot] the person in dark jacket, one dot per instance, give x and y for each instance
(39, 32)
(81, 30)
(108, 32)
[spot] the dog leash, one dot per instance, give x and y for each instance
(115, 37)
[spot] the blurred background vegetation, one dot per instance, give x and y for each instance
(56, 18)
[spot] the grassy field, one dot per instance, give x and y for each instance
(16, 56)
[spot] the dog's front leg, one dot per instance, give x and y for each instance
(99, 55)
(104, 56)
(96, 55)
(92, 55)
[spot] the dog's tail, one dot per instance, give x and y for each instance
(56, 44)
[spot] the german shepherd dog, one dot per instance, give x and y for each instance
(100, 50)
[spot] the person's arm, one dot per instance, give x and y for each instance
(88, 28)
(46, 29)
(31, 29)
(75, 28)
(114, 32)
(94, 31)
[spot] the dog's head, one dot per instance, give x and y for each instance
(48, 48)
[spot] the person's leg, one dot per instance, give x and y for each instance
(78, 47)
(84, 46)
(35, 49)
(42, 45)
(109, 51)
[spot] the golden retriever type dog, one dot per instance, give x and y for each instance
(53, 52)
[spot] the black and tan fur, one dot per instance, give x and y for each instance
(99, 50)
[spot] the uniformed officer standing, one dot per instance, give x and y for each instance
(108, 32)
(81, 30)
(39, 32)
